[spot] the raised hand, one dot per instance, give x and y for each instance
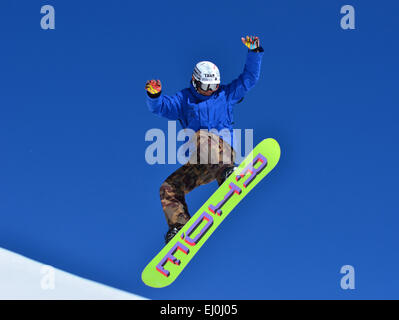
(153, 86)
(251, 42)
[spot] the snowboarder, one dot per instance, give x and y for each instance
(204, 105)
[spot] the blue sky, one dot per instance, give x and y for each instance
(76, 192)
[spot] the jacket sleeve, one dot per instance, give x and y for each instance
(169, 107)
(237, 89)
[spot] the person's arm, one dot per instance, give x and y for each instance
(237, 89)
(163, 105)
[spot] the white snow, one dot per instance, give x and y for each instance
(25, 279)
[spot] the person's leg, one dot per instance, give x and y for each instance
(190, 176)
(173, 191)
(179, 183)
(226, 161)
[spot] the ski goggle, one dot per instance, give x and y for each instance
(206, 86)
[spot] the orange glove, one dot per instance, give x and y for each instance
(251, 42)
(153, 86)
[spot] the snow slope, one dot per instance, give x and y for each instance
(23, 278)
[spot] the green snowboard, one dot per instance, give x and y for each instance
(174, 257)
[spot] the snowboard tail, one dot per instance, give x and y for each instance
(174, 257)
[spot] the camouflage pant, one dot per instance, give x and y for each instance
(202, 168)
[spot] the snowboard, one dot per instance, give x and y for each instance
(174, 257)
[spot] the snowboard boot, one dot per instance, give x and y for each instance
(172, 232)
(225, 174)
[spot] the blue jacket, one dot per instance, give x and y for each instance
(196, 111)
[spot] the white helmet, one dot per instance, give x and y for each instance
(206, 75)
